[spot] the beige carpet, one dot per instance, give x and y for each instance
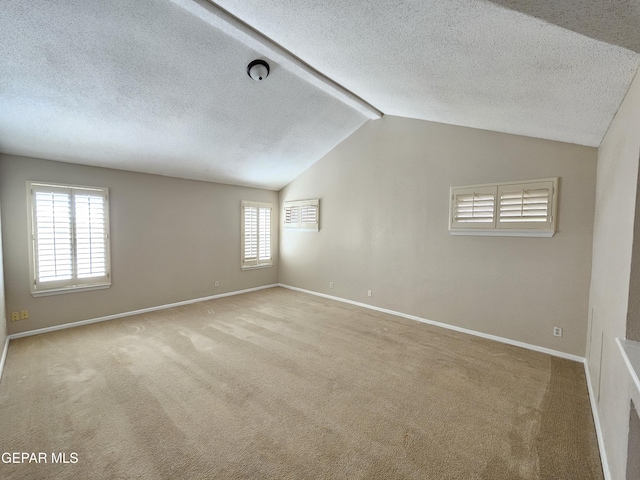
(280, 384)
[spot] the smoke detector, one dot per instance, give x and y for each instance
(258, 70)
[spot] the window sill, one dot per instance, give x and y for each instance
(253, 267)
(62, 291)
(631, 354)
(504, 233)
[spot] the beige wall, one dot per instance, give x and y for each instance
(612, 256)
(171, 239)
(384, 216)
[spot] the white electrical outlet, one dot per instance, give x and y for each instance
(216, 284)
(557, 331)
(368, 293)
(330, 284)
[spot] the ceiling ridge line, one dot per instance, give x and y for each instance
(224, 21)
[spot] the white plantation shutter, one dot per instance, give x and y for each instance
(473, 207)
(291, 215)
(524, 208)
(256, 234)
(90, 235)
(264, 233)
(302, 215)
(250, 233)
(53, 235)
(69, 230)
(309, 214)
(525, 204)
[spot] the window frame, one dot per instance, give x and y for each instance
(299, 225)
(74, 284)
(534, 228)
(253, 263)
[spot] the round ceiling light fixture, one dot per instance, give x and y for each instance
(258, 70)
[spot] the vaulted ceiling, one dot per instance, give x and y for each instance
(160, 86)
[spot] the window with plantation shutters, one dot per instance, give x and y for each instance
(524, 208)
(70, 238)
(302, 215)
(256, 235)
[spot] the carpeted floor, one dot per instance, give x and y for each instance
(280, 384)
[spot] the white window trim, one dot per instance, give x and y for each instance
(303, 227)
(73, 285)
(257, 262)
(497, 228)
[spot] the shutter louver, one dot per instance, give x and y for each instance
(250, 233)
(53, 236)
(292, 215)
(309, 214)
(90, 236)
(265, 234)
(302, 215)
(525, 205)
(474, 208)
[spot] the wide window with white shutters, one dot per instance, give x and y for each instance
(302, 215)
(69, 231)
(523, 208)
(256, 235)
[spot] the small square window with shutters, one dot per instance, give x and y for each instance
(302, 215)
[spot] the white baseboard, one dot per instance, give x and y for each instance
(4, 356)
(135, 312)
(555, 353)
(596, 421)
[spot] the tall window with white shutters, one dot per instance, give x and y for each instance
(69, 231)
(256, 235)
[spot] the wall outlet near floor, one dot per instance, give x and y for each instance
(330, 284)
(216, 284)
(557, 331)
(24, 314)
(15, 316)
(368, 293)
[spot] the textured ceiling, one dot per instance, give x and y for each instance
(159, 86)
(464, 62)
(147, 86)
